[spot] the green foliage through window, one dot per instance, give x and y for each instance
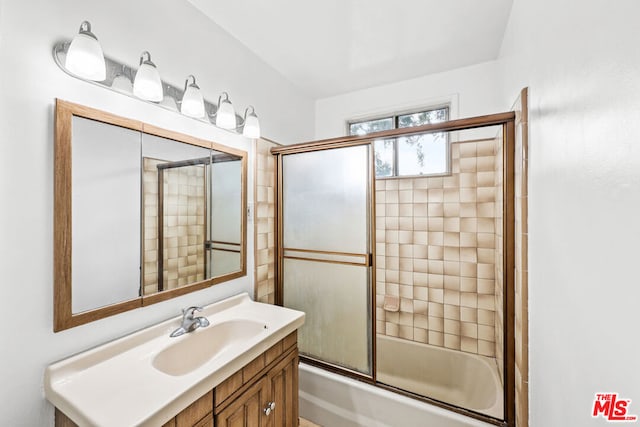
(423, 154)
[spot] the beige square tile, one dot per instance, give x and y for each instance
(435, 252)
(420, 210)
(486, 271)
(436, 338)
(469, 314)
(486, 240)
(406, 250)
(451, 297)
(435, 195)
(468, 225)
(435, 224)
(452, 224)
(468, 164)
(451, 209)
(452, 181)
(468, 269)
(451, 195)
(486, 286)
(486, 348)
(451, 268)
(485, 179)
(436, 281)
(451, 239)
(467, 149)
(391, 184)
(469, 345)
(435, 266)
(486, 148)
(486, 302)
(405, 196)
(486, 210)
(486, 333)
(420, 196)
(486, 164)
(452, 312)
(436, 295)
(436, 324)
(452, 341)
(406, 332)
(420, 223)
(420, 183)
(405, 209)
(468, 180)
(486, 225)
(420, 237)
(469, 299)
(486, 317)
(436, 238)
(451, 253)
(420, 279)
(468, 284)
(420, 321)
(468, 210)
(391, 223)
(455, 150)
(486, 256)
(391, 329)
(486, 194)
(421, 293)
(406, 277)
(405, 237)
(468, 255)
(405, 223)
(452, 282)
(391, 196)
(435, 210)
(420, 265)
(392, 209)
(420, 307)
(436, 309)
(435, 182)
(405, 183)
(420, 335)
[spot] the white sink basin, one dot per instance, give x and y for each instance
(146, 378)
(194, 349)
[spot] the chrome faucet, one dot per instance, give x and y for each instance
(190, 323)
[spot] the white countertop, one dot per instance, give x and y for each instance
(116, 384)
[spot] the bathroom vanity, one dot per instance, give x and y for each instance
(243, 368)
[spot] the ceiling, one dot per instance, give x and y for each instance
(330, 47)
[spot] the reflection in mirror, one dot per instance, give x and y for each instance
(105, 211)
(192, 218)
(141, 215)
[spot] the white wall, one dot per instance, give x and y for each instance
(471, 91)
(582, 64)
(181, 41)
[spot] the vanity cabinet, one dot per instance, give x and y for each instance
(264, 393)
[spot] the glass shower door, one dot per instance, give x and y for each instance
(326, 247)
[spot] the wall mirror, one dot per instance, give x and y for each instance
(141, 214)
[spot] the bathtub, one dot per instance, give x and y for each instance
(332, 400)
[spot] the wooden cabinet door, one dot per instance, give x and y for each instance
(283, 379)
(248, 409)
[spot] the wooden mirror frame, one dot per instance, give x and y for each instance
(64, 318)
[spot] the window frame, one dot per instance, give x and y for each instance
(395, 116)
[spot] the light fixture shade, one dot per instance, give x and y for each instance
(251, 126)
(192, 102)
(147, 84)
(226, 115)
(85, 57)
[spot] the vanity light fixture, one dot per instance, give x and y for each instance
(250, 124)
(192, 102)
(147, 84)
(225, 115)
(85, 57)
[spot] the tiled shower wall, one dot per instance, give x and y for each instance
(499, 254)
(264, 206)
(184, 226)
(435, 250)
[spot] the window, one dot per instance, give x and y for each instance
(426, 154)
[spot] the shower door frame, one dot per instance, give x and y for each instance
(507, 122)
